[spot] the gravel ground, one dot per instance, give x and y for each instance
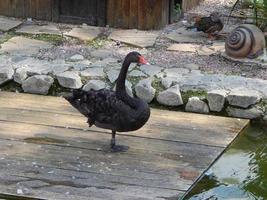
(209, 6)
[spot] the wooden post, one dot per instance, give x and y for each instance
(55, 10)
(141, 14)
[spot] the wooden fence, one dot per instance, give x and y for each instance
(141, 14)
(38, 9)
(189, 4)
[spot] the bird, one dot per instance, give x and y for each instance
(209, 25)
(113, 110)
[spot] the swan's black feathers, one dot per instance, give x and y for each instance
(104, 109)
(113, 110)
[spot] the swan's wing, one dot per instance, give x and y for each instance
(104, 107)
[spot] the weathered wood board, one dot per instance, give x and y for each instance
(47, 151)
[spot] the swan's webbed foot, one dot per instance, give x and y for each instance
(117, 148)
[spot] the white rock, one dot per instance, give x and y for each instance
(251, 113)
(150, 70)
(194, 104)
(6, 73)
(243, 98)
(113, 75)
(216, 99)
(160, 75)
(168, 81)
(95, 85)
(20, 75)
(80, 66)
(110, 60)
(59, 68)
(76, 57)
(137, 73)
(170, 97)
(174, 72)
(69, 80)
(35, 66)
(132, 66)
(93, 72)
(129, 88)
(195, 72)
(38, 84)
(192, 66)
(101, 53)
(145, 91)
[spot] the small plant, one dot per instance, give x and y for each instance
(259, 8)
(97, 43)
(178, 9)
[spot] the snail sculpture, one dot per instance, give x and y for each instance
(245, 41)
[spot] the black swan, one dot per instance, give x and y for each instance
(113, 110)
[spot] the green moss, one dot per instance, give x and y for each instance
(157, 85)
(263, 105)
(97, 43)
(54, 39)
(186, 95)
(6, 36)
(134, 80)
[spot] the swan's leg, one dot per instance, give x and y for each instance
(113, 140)
(117, 148)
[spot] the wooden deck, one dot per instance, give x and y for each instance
(47, 151)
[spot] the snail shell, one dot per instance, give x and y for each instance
(246, 40)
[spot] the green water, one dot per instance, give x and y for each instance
(241, 173)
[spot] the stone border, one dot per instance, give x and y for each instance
(182, 88)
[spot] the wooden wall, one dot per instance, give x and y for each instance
(38, 9)
(189, 4)
(141, 14)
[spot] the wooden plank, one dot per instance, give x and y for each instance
(55, 10)
(43, 9)
(217, 135)
(19, 8)
(186, 127)
(189, 4)
(47, 147)
(133, 14)
(101, 12)
(141, 14)
(54, 164)
(99, 141)
(111, 12)
(125, 167)
(125, 13)
(118, 13)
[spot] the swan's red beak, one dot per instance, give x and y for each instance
(143, 61)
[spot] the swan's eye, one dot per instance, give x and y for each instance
(143, 61)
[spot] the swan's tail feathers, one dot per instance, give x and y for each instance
(79, 99)
(75, 94)
(75, 99)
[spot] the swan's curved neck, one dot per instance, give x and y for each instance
(120, 85)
